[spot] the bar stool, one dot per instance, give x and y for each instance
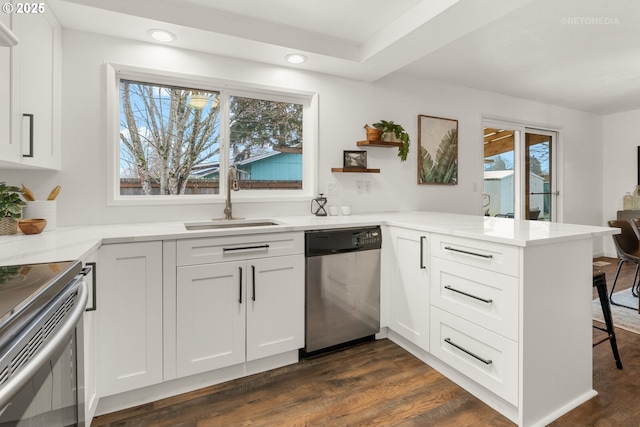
(600, 283)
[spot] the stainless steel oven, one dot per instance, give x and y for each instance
(41, 365)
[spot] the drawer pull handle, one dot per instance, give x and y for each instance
(422, 239)
(485, 361)
(449, 248)
(246, 248)
(449, 288)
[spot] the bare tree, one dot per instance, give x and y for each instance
(166, 137)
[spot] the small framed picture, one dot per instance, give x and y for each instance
(355, 160)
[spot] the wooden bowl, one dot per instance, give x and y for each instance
(32, 226)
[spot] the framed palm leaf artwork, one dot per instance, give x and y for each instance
(438, 145)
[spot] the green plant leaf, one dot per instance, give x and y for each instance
(446, 164)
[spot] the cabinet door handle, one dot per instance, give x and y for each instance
(483, 360)
(449, 248)
(94, 281)
(253, 282)
(246, 248)
(422, 239)
(240, 284)
(30, 116)
(449, 288)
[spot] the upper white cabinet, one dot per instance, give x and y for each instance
(33, 135)
(8, 151)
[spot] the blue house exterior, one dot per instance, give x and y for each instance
(272, 166)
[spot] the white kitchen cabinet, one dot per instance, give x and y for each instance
(130, 316)
(211, 317)
(244, 309)
(500, 320)
(409, 291)
(481, 296)
(89, 328)
(275, 313)
(9, 151)
(35, 85)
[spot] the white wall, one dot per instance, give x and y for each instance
(344, 107)
(621, 136)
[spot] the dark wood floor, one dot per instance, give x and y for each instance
(379, 384)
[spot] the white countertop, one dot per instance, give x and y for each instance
(68, 243)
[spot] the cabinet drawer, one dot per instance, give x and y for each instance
(230, 248)
(488, 255)
(487, 358)
(483, 297)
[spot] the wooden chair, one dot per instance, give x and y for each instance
(627, 245)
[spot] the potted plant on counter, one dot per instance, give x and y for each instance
(10, 209)
(393, 132)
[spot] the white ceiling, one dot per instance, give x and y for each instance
(583, 54)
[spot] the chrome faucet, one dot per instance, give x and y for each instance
(232, 182)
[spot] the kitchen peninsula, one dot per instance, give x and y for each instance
(523, 348)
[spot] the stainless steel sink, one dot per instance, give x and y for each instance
(228, 223)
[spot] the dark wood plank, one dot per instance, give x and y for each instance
(380, 384)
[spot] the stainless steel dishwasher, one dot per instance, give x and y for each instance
(342, 287)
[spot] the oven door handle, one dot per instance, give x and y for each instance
(18, 380)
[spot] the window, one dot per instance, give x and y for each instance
(176, 139)
(519, 172)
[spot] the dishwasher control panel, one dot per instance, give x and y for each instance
(368, 238)
(342, 240)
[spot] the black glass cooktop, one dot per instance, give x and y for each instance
(26, 289)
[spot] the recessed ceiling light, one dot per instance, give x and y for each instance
(295, 58)
(161, 35)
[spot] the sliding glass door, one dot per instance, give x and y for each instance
(519, 172)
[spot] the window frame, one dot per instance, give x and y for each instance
(309, 100)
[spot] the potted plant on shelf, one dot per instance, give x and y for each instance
(10, 209)
(393, 132)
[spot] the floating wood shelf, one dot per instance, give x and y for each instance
(369, 143)
(361, 170)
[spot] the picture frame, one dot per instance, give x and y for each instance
(354, 159)
(438, 150)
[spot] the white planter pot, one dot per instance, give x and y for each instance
(46, 209)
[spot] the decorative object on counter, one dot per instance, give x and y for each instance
(334, 210)
(45, 209)
(10, 209)
(41, 209)
(354, 159)
(27, 193)
(438, 139)
(393, 132)
(636, 198)
(54, 193)
(32, 226)
(317, 205)
(627, 202)
(345, 210)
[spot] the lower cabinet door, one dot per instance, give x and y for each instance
(210, 311)
(129, 312)
(487, 358)
(275, 310)
(409, 299)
